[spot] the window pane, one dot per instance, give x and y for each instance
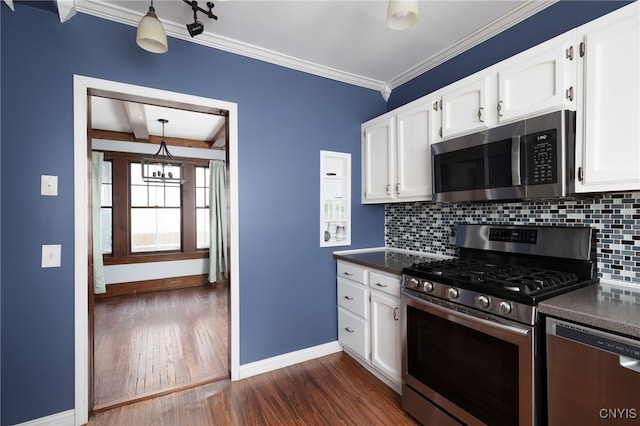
(172, 196)
(139, 196)
(202, 228)
(155, 229)
(136, 174)
(107, 229)
(201, 197)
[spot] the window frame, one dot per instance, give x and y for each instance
(121, 214)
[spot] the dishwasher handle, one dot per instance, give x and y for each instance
(630, 363)
(627, 349)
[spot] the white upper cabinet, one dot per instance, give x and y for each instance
(541, 79)
(608, 119)
(378, 159)
(413, 154)
(464, 109)
(396, 161)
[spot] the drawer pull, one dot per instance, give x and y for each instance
(382, 285)
(348, 297)
(396, 317)
(349, 330)
(347, 274)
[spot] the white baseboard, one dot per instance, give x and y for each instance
(291, 358)
(65, 418)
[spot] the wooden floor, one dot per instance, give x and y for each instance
(154, 343)
(332, 390)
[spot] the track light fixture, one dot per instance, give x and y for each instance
(196, 28)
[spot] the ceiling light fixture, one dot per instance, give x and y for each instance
(402, 14)
(151, 35)
(196, 28)
(162, 168)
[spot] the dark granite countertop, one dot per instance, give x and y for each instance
(388, 260)
(606, 305)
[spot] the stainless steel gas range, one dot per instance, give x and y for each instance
(472, 341)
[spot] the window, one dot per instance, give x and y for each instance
(144, 222)
(155, 214)
(202, 207)
(106, 210)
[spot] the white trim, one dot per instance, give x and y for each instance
(112, 12)
(81, 87)
(64, 418)
(291, 358)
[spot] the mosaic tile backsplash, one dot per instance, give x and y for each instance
(430, 227)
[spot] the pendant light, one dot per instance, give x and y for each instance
(162, 168)
(402, 14)
(151, 35)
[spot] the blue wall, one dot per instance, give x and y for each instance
(550, 22)
(287, 288)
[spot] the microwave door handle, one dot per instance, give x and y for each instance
(516, 177)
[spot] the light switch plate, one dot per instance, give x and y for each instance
(51, 255)
(49, 185)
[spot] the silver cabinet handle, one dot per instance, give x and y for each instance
(569, 93)
(348, 297)
(398, 188)
(499, 108)
(388, 189)
(349, 330)
(382, 285)
(480, 114)
(396, 317)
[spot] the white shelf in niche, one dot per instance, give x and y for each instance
(335, 199)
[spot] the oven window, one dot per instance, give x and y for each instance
(475, 371)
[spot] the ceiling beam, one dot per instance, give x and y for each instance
(137, 119)
(130, 137)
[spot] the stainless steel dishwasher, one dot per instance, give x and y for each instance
(593, 377)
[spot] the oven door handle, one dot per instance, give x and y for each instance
(516, 175)
(468, 320)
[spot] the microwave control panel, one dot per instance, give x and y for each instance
(541, 158)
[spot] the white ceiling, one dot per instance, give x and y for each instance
(343, 40)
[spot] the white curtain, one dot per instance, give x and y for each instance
(218, 220)
(97, 158)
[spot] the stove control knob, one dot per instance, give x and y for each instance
(413, 283)
(482, 302)
(427, 286)
(504, 307)
(452, 293)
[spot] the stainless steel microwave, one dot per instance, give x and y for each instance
(528, 159)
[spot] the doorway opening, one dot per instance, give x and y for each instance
(84, 88)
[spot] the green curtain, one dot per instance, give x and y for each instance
(218, 220)
(96, 207)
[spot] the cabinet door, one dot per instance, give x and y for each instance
(538, 80)
(413, 155)
(464, 109)
(608, 144)
(378, 159)
(386, 341)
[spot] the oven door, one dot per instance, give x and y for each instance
(476, 370)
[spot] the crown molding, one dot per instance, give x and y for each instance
(118, 14)
(508, 20)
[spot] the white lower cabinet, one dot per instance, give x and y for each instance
(386, 330)
(369, 323)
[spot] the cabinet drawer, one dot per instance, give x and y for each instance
(389, 284)
(353, 272)
(353, 297)
(353, 332)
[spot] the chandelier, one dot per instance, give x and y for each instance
(162, 168)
